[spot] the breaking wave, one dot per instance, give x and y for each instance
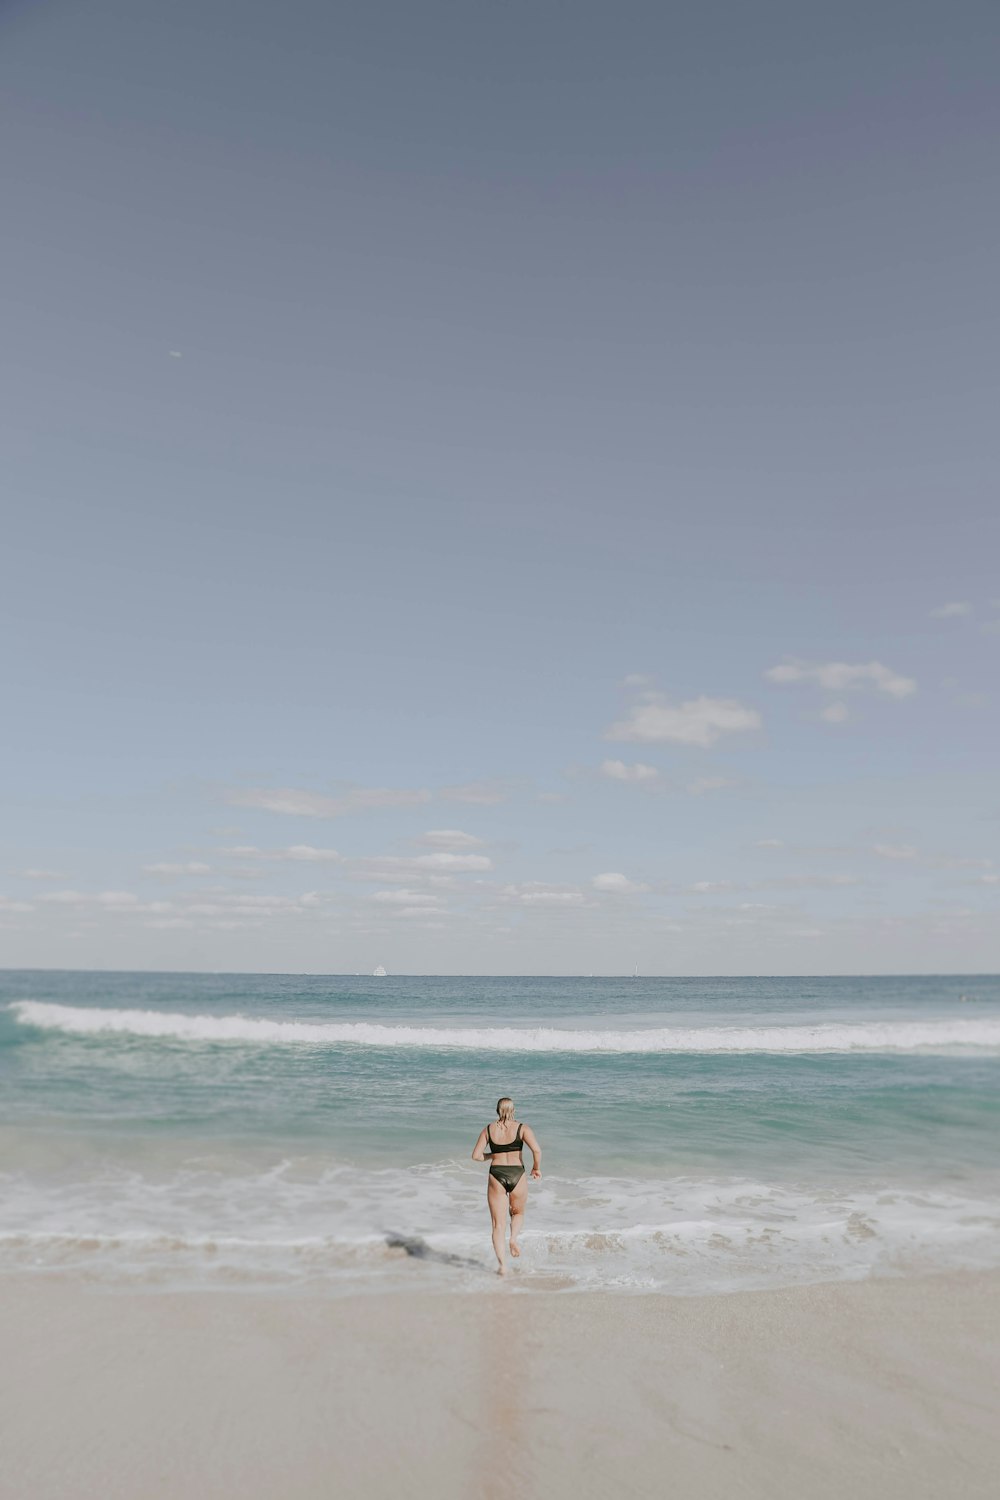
(933, 1036)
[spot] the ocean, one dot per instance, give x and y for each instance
(300, 1131)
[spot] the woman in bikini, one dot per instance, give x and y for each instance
(507, 1186)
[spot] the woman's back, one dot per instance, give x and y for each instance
(513, 1147)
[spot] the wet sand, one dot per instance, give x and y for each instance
(881, 1388)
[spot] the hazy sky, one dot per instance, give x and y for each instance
(500, 488)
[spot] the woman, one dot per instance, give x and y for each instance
(507, 1186)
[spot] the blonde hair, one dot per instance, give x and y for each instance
(505, 1108)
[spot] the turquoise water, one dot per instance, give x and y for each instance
(698, 1134)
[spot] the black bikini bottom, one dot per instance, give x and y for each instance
(509, 1177)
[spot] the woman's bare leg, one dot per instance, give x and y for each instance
(496, 1197)
(518, 1203)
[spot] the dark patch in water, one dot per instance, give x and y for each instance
(419, 1249)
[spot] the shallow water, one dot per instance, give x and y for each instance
(698, 1134)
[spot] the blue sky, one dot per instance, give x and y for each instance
(500, 489)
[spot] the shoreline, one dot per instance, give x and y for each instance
(883, 1387)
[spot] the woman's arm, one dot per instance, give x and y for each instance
(531, 1141)
(479, 1151)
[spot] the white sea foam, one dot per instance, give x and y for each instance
(346, 1227)
(982, 1034)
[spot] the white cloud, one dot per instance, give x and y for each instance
(309, 854)
(929, 860)
(481, 793)
(192, 867)
(618, 770)
(951, 611)
(453, 862)
(405, 898)
(303, 804)
(66, 897)
(297, 803)
(705, 784)
(205, 904)
(776, 882)
(538, 893)
(302, 853)
(835, 713)
(842, 676)
(432, 867)
(699, 721)
(770, 843)
(637, 680)
(616, 884)
(36, 874)
(6, 904)
(450, 838)
(112, 901)
(227, 904)
(958, 862)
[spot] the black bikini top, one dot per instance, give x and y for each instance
(515, 1145)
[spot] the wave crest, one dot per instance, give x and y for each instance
(867, 1036)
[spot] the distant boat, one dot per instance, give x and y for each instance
(635, 972)
(378, 973)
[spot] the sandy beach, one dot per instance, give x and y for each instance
(883, 1388)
